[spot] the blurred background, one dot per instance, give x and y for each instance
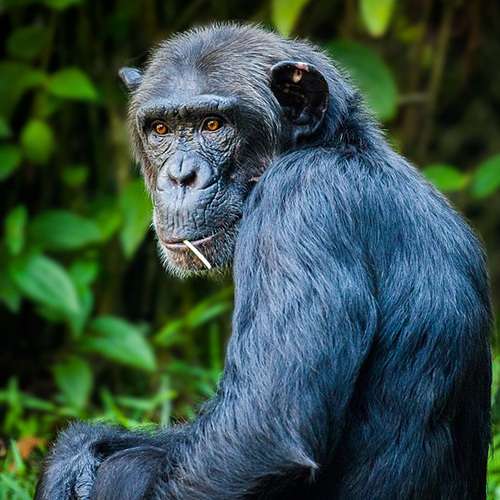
(91, 325)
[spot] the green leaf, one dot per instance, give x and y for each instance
(74, 379)
(370, 74)
(62, 230)
(285, 14)
(445, 177)
(137, 212)
(106, 214)
(5, 131)
(15, 79)
(61, 4)
(376, 15)
(45, 104)
(15, 228)
(79, 321)
(121, 341)
(84, 272)
(72, 83)
(46, 282)
(38, 141)
(486, 179)
(27, 42)
(200, 315)
(10, 158)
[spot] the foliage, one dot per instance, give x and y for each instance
(93, 327)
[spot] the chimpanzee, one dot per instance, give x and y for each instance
(359, 364)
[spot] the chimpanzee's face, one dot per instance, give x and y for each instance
(205, 125)
(191, 145)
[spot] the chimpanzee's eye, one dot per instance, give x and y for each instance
(160, 128)
(212, 124)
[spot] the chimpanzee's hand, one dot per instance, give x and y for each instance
(70, 469)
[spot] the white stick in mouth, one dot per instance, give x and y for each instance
(197, 253)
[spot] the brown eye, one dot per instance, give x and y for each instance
(160, 128)
(212, 124)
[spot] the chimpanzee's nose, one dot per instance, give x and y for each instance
(183, 171)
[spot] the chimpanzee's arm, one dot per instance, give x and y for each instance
(69, 471)
(304, 320)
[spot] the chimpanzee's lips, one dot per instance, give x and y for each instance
(180, 245)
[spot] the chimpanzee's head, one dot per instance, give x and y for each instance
(211, 111)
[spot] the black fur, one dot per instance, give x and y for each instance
(359, 363)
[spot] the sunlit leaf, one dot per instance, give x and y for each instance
(445, 177)
(486, 179)
(376, 15)
(26, 42)
(15, 226)
(121, 341)
(285, 14)
(45, 281)
(10, 158)
(63, 230)
(137, 212)
(369, 73)
(74, 379)
(15, 79)
(38, 141)
(72, 83)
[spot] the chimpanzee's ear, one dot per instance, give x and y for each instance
(131, 77)
(303, 92)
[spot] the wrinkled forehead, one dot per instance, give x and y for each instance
(170, 81)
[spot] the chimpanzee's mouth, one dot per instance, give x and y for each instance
(180, 245)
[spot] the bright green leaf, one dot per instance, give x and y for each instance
(10, 158)
(84, 272)
(370, 74)
(285, 14)
(38, 141)
(46, 282)
(72, 83)
(376, 15)
(121, 341)
(486, 179)
(15, 79)
(15, 228)
(62, 230)
(136, 208)
(445, 177)
(74, 379)
(26, 42)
